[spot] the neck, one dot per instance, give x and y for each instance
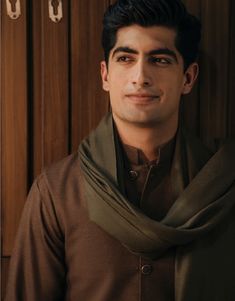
(148, 139)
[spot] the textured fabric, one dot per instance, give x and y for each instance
(199, 208)
(60, 254)
(148, 185)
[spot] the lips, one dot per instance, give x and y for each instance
(142, 98)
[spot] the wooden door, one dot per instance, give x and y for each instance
(14, 133)
(51, 94)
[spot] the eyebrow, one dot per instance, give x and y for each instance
(152, 52)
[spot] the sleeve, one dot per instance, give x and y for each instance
(37, 270)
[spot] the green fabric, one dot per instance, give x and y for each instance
(202, 205)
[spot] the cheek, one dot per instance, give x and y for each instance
(173, 85)
(115, 91)
(116, 84)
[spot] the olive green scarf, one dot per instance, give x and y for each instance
(200, 206)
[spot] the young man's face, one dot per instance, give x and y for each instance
(145, 76)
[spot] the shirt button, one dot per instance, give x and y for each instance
(133, 174)
(146, 269)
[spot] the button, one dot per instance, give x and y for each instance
(146, 269)
(133, 174)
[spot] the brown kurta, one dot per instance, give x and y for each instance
(148, 186)
(61, 255)
(55, 216)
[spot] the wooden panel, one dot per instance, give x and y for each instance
(51, 86)
(89, 102)
(4, 271)
(191, 108)
(231, 82)
(14, 123)
(1, 129)
(214, 66)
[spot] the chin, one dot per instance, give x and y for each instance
(143, 122)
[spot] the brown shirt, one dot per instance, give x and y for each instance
(61, 255)
(149, 187)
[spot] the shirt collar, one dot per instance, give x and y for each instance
(136, 156)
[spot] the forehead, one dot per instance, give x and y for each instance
(146, 38)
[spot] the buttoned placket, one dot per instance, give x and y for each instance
(149, 174)
(145, 266)
(145, 270)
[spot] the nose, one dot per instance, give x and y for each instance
(141, 75)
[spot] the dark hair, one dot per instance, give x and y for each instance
(146, 13)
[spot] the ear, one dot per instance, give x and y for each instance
(191, 75)
(104, 75)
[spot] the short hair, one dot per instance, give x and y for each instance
(146, 13)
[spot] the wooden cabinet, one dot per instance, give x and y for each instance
(51, 95)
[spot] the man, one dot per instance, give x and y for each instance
(141, 212)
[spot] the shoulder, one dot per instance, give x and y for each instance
(200, 154)
(60, 182)
(61, 174)
(65, 166)
(59, 187)
(196, 150)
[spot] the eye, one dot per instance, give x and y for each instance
(160, 61)
(124, 59)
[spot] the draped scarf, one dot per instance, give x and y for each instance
(206, 200)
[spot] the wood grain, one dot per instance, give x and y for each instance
(51, 86)
(191, 102)
(4, 272)
(89, 103)
(231, 74)
(14, 123)
(214, 70)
